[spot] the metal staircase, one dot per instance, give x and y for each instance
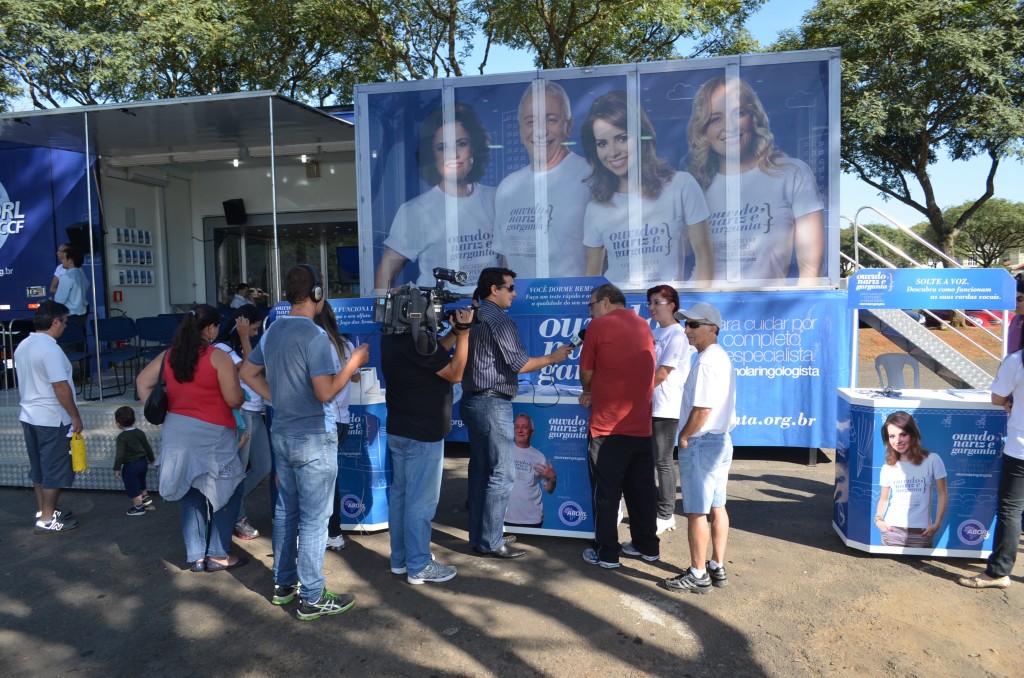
(905, 331)
(930, 351)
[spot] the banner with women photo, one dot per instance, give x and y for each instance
(702, 174)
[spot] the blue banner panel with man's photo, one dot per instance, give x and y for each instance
(701, 173)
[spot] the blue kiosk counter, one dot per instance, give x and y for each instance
(551, 495)
(962, 428)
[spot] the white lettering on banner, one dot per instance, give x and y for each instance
(12, 220)
(973, 444)
(867, 282)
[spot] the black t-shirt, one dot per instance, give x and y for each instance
(419, 402)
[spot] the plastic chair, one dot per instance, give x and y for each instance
(116, 339)
(73, 342)
(155, 334)
(893, 364)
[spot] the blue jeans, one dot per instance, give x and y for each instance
(412, 499)
(1011, 501)
(307, 467)
(207, 535)
(491, 467)
(255, 454)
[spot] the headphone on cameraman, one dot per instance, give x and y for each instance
(316, 292)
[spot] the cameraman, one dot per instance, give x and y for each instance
(419, 402)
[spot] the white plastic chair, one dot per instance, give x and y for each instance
(894, 364)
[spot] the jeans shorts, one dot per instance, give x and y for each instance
(704, 471)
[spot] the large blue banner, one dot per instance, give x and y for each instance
(790, 349)
(43, 203)
(963, 432)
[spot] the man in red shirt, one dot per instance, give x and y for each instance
(617, 374)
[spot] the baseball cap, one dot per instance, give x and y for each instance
(701, 311)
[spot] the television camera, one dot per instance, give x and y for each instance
(411, 310)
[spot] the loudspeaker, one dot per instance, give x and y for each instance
(78, 236)
(234, 211)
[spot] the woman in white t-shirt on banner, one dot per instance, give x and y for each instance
(639, 249)
(904, 510)
(765, 206)
(673, 355)
(452, 224)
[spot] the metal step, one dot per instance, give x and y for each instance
(930, 351)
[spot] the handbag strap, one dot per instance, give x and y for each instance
(160, 377)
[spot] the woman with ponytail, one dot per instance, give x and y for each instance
(199, 463)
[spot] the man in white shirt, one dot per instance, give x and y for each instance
(47, 410)
(705, 449)
(243, 296)
(539, 209)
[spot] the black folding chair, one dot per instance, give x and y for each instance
(74, 345)
(116, 339)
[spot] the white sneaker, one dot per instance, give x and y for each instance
(666, 524)
(336, 543)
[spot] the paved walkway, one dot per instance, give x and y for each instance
(112, 598)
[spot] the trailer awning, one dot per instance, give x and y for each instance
(189, 129)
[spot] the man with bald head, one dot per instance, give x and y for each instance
(539, 209)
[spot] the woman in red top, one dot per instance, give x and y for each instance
(199, 463)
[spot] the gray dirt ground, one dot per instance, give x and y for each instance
(112, 598)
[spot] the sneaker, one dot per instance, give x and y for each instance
(58, 514)
(434, 572)
(688, 581)
(666, 525)
(329, 604)
(627, 548)
(590, 557)
(244, 530)
(55, 525)
(402, 570)
(284, 594)
(718, 577)
(336, 543)
(147, 501)
(139, 510)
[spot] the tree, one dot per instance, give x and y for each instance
(564, 33)
(993, 230)
(94, 51)
(102, 51)
(920, 78)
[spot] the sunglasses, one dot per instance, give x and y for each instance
(658, 303)
(694, 324)
(510, 288)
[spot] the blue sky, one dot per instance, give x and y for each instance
(955, 182)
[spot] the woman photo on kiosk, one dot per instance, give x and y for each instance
(903, 515)
(199, 462)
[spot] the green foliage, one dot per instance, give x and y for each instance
(920, 78)
(100, 51)
(989, 234)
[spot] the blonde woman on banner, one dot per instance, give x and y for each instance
(452, 158)
(778, 212)
(674, 215)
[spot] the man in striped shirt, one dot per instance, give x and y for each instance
(491, 381)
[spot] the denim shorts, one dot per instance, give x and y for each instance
(704, 471)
